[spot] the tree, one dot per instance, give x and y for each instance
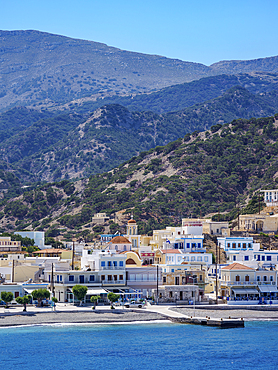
(40, 294)
(24, 300)
(7, 297)
(112, 297)
(79, 292)
(94, 300)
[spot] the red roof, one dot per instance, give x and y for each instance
(236, 266)
(119, 240)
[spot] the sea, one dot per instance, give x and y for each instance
(139, 346)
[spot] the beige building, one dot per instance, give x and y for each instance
(216, 228)
(258, 223)
(100, 218)
(7, 245)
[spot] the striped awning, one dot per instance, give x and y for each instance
(245, 291)
(268, 289)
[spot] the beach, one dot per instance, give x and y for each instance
(102, 315)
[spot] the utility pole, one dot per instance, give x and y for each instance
(157, 284)
(13, 271)
(216, 280)
(52, 281)
(259, 203)
(72, 261)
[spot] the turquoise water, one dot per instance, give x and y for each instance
(142, 346)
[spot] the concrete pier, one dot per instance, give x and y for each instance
(220, 323)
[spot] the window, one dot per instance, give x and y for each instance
(102, 264)
(246, 277)
(188, 246)
(115, 277)
(234, 258)
(102, 277)
(109, 277)
(193, 245)
(199, 258)
(268, 258)
(258, 278)
(164, 279)
(234, 245)
(121, 277)
(265, 278)
(244, 245)
(206, 259)
(201, 278)
(115, 263)
(121, 263)
(228, 245)
(271, 278)
(92, 277)
(237, 278)
(109, 263)
(199, 245)
(192, 258)
(263, 258)
(238, 245)
(258, 257)
(249, 245)
(246, 258)
(71, 277)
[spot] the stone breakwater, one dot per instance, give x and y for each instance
(81, 317)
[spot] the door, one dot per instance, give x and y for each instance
(81, 279)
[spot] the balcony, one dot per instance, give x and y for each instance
(113, 268)
(113, 282)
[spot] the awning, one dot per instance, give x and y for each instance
(245, 291)
(96, 291)
(29, 290)
(268, 289)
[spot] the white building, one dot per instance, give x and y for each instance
(270, 197)
(38, 237)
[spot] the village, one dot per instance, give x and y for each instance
(200, 262)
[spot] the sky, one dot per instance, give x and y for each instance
(203, 31)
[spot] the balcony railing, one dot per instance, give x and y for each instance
(112, 268)
(113, 282)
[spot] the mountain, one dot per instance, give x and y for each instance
(75, 146)
(269, 65)
(42, 67)
(181, 96)
(217, 170)
(39, 69)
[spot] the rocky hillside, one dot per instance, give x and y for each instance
(72, 145)
(42, 69)
(209, 172)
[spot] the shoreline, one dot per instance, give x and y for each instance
(119, 316)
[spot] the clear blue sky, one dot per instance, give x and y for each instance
(204, 31)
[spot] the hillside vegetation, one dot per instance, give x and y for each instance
(215, 171)
(39, 69)
(69, 146)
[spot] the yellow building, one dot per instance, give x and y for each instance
(7, 245)
(259, 223)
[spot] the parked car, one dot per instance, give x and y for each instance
(134, 304)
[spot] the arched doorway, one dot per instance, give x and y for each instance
(259, 225)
